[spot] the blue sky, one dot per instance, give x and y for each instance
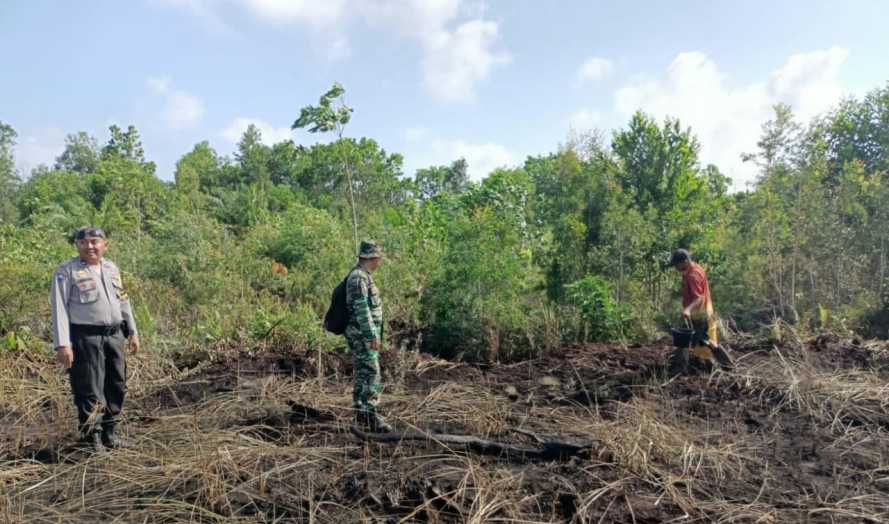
(435, 80)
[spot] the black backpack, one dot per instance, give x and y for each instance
(337, 316)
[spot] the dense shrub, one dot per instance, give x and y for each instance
(479, 302)
(243, 252)
(601, 318)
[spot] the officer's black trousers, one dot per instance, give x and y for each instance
(98, 378)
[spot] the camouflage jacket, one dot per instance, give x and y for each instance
(365, 306)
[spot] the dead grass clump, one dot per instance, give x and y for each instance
(460, 407)
(782, 439)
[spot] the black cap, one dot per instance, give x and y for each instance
(679, 256)
(89, 231)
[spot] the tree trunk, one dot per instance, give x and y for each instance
(882, 267)
(347, 167)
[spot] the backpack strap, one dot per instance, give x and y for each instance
(346, 288)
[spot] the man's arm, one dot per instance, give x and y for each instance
(696, 303)
(61, 327)
(361, 309)
(126, 311)
(696, 285)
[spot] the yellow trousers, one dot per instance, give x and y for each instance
(707, 324)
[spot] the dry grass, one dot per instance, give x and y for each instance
(781, 440)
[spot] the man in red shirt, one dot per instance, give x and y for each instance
(697, 310)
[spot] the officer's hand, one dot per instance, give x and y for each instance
(65, 356)
(134, 344)
(375, 345)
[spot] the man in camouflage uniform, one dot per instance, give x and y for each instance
(364, 334)
(91, 320)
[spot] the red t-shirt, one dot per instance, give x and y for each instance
(694, 285)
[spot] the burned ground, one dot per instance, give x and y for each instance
(799, 432)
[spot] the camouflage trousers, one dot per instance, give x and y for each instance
(368, 384)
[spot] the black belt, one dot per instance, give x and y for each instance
(89, 329)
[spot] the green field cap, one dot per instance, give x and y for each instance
(369, 249)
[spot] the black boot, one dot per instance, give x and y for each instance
(677, 363)
(379, 424)
(373, 422)
(93, 440)
(111, 440)
(362, 419)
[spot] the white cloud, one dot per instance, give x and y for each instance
(183, 110)
(728, 118)
(424, 149)
(206, 10)
(180, 109)
(322, 14)
(456, 62)
(41, 146)
(482, 158)
(593, 69)
(270, 133)
(159, 85)
(416, 134)
(455, 55)
(584, 120)
(419, 19)
(339, 48)
(809, 81)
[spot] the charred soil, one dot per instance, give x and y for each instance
(798, 432)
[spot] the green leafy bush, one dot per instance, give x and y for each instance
(479, 301)
(600, 317)
(314, 247)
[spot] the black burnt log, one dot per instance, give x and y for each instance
(545, 449)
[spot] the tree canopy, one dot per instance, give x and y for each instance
(568, 245)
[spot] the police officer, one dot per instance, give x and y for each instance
(91, 319)
(364, 334)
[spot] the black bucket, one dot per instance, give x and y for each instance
(682, 337)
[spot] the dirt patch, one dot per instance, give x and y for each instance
(853, 353)
(269, 439)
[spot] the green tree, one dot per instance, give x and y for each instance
(858, 130)
(570, 197)
(127, 196)
(198, 169)
(286, 162)
(331, 115)
(58, 199)
(717, 183)
(625, 240)
(659, 165)
(253, 157)
(601, 317)
(779, 145)
(479, 300)
(810, 238)
(9, 179)
(658, 171)
(81, 154)
(126, 145)
(376, 175)
(436, 180)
